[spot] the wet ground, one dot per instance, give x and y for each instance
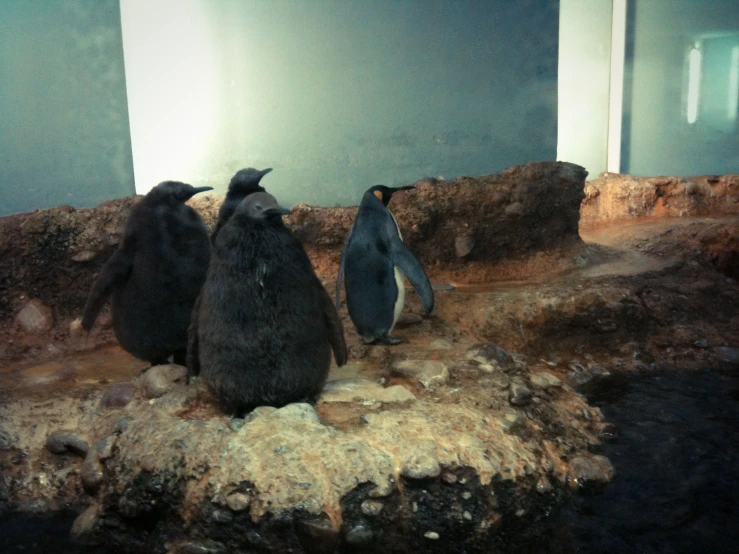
(676, 460)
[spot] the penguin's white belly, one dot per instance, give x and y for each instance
(400, 301)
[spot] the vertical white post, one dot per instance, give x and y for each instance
(616, 96)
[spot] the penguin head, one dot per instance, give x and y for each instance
(247, 180)
(384, 194)
(262, 206)
(175, 191)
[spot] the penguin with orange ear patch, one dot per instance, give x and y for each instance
(374, 262)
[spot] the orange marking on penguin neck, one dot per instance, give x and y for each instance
(378, 194)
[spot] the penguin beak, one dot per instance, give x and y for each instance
(279, 210)
(196, 190)
(265, 171)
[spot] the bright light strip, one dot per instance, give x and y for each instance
(694, 81)
(733, 95)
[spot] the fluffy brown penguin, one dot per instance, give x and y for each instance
(264, 327)
(243, 183)
(155, 275)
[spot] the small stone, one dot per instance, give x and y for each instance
(467, 516)
(75, 327)
(491, 357)
(85, 523)
(463, 246)
(359, 535)
(449, 477)
(466, 495)
(61, 442)
(543, 486)
(238, 501)
(35, 317)
(205, 546)
(511, 421)
(431, 535)
(590, 470)
(520, 394)
(372, 507)
(83, 256)
(544, 380)
(362, 390)
(92, 469)
(221, 516)
(429, 373)
(118, 395)
(441, 344)
(160, 379)
(421, 466)
(727, 354)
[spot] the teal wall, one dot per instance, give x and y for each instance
(338, 95)
(64, 133)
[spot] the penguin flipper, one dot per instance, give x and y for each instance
(193, 344)
(335, 327)
(114, 274)
(340, 276)
(407, 262)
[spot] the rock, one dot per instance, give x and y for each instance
(84, 525)
(92, 470)
(372, 507)
(61, 442)
(35, 317)
(83, 256)
(200, 547)
(432, 535)
(727, 354)
(363, 390)
(118, 395)
(359, 535)
(702, 343)
(75, 327)
(429, 373)
(490, 357)
(159, 379)
(520, 394)
(441, 344)
(593, 470)
(544, 380)
(238, 501)
(421, 466)
(463, 246)
(496, 379)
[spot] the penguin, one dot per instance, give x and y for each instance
(374, 261)
(265, 326)
(243, 183)
(155, 275)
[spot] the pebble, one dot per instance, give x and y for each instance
(35, 317)
(237, 501)
(432, 535)
(61, 442)
(520, 394)
(118, 395)
(463, 246)
(160, 379)
(421, 466)
(222, 516)
(467, 516)
(594, 469)
(359, 534)
(441, 344)
(545, 380)
(429, 373)
(372, 507)
(449, 478)
(491, 357)
(359, 390)
(466, 495)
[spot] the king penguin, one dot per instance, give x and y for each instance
(155, 275)
(243, 183)
(264, 325)
(374, 262)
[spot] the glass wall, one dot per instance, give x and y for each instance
(681, 88)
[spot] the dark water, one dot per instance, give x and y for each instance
(676, 460)
(676, 483)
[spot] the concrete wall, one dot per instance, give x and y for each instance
(64, 134)
(657, 136)
(338, 95)
(584, 65)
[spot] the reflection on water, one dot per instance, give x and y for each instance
(676, 458)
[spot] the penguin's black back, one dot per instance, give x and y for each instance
(171, 251)
(263, 332)
(371, 289)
